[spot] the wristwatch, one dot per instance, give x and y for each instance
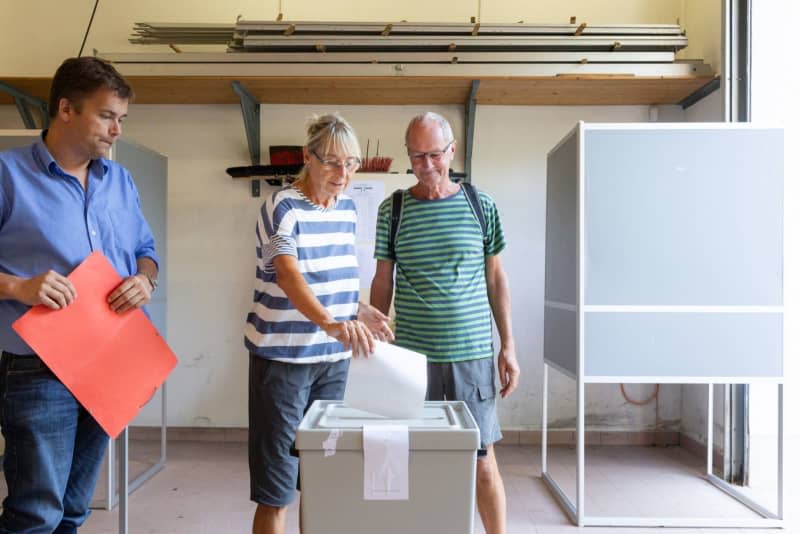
(152, 279)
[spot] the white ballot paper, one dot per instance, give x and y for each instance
(385, 462)
(391, 382)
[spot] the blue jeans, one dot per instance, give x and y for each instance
(54, 449)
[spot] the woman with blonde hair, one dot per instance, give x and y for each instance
(306, 319)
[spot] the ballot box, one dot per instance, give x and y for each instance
(442, 451)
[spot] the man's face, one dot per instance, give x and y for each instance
(429, 152)
(96, 122)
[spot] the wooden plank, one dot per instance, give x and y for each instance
(588, 90)
(183, 89)
(38, 87)
(356, 90)
(401, 90)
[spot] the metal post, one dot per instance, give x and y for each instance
(725, 78)
(164, 423)
(780, 451)
(737, 15)
(544, 419)
(581, 472)
(710, 431)
(111, 494)
(727, 430)
(123, 482)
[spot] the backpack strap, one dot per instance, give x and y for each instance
(475, 205)
(394, 225)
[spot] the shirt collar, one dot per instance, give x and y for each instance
(45, 160)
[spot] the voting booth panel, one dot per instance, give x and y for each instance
(664, 264)
(442, 446)
(678, 234)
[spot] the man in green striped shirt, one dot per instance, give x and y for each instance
(450, 283)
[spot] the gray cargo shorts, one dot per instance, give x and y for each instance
(280, 394)
(471, 381)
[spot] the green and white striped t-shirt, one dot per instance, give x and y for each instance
(440, 288)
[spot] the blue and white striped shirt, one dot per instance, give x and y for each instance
(323, 241)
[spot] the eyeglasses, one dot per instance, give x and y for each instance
(419, 157)
(333, 164)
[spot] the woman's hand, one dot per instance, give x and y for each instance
(353, 335)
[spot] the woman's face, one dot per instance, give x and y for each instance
(329, 173)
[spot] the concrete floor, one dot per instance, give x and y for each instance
(205, 489)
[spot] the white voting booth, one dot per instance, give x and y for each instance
(149, 171)
(664, 264)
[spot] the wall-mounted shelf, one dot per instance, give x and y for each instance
(272, 174)
(574, 89)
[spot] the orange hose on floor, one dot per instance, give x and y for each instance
(639, 403)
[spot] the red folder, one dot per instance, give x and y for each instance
(112, 363)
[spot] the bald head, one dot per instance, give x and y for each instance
(430, 119)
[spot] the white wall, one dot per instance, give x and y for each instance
(702, 20)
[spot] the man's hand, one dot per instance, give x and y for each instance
(133, 292)
(352, 334)
(508, 369)
(376, 321)
(49, 289)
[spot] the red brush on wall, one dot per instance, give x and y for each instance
(376, 163)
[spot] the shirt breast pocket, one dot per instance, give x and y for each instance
(120, 237)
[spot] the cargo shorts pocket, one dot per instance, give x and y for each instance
(485, 391)
(478, 378)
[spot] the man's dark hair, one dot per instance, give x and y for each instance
(80, 77)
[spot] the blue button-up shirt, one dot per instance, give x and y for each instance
(48, 221)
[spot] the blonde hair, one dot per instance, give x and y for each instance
(327, 133)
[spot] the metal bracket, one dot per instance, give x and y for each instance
(23, 100)
(251, 113)
(470, 134)
(701, 93)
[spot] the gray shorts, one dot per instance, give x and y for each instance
(279, 395)
(471, 381)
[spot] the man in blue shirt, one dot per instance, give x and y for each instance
(60, 200)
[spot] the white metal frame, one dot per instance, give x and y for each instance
(576, 511)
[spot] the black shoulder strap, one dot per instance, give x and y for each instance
(397, 214)
(475, 204)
